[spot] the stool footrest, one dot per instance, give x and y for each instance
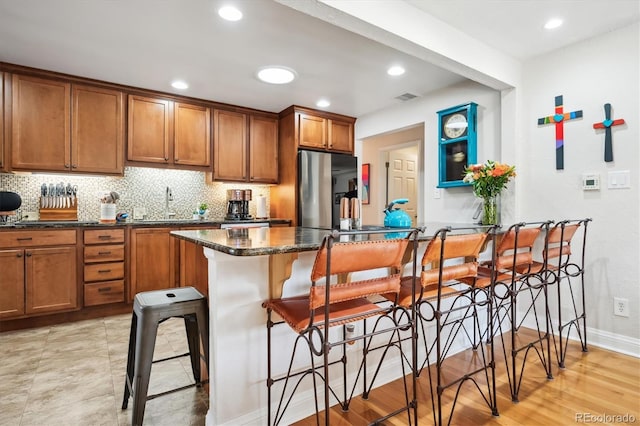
(170, 358)
(150, 397)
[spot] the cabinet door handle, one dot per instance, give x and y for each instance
(104, 271)
(104, 289)
(25, 239)
(104, 237)
(28, 254)
(176, 160)
(19, 255)
(75, 166)
(66, 166)
(104, 252)
(166, 158)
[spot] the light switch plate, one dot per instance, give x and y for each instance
(619, 179)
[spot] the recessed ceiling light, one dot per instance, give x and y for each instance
(323, 103)
(276, 75)
(553, 23)
(395, 70)
(230, 13)
(179, 84)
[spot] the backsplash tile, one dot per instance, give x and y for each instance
(140, 187)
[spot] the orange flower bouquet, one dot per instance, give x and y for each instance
(488, 180)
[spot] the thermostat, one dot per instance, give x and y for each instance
(590, 181)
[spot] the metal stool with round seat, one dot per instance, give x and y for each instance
(151, 308)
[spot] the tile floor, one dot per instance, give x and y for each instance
(73, 374)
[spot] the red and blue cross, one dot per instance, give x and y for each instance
(606, 125)
(559, 118)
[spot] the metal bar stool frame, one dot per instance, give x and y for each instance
(328, 300)
(520, 274)
(560, 265)
(445, 282)
(150, 309)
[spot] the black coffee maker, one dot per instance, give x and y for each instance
(238, 204)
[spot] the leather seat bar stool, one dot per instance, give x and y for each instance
(520, 285)
(149, 310)
(338, 297)
(444, 299)
(567, 273)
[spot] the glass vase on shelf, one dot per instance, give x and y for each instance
(490, 210)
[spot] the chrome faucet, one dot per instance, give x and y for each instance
(168, 196)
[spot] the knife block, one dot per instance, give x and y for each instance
(59, 213)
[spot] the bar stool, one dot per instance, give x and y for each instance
(149, 310)
(333, 302)
(561, 269)
(519, 283)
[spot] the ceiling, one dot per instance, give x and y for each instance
(149, 43)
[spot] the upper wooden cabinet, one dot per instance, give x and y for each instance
(245, 148)
(192, 135)
(326, 133)
(3, 162)
(97, 132)
(40, 120)
(164, 132)
(42, 138)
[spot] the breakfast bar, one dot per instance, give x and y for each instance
(245, 268)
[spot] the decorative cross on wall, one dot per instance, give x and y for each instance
(606, 125)
(559, 118)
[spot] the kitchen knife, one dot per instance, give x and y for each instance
(52, 190)
(43, 195)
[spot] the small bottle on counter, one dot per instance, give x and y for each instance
(345, 218)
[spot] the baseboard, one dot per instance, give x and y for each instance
(602, 339)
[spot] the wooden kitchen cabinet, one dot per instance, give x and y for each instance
(152, 260)
(245, 147)
(3, 161)
(40, 124)
(164, 132)
(104, 266)
(11, 283)
(229, 146)
(37, 279)
(192, 135)
(57, 126)
(324, 133)
(97, 133)
(148, 135)
(263, 150)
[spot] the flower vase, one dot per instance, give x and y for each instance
(490, 211)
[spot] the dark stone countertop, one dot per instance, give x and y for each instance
(266, 241)
(136, 223)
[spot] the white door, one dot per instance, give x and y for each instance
(403, 179)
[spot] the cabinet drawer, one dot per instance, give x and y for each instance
(104, 271)
(104, 236)
(104, 292)
(37, 238)
(104, 253)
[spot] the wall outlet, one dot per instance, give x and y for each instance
(437, 193)
(621, 307)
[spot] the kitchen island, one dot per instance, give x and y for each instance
(246, 267)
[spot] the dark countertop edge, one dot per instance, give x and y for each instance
(239, 251)
(141, 223)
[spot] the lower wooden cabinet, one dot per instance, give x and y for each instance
(34, 279)
(104, 266)
(153, 260)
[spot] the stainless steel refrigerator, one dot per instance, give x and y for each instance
(323, 179)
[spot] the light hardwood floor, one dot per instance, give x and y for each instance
(594, 388)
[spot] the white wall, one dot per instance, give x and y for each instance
(455, 204)
(588, 75)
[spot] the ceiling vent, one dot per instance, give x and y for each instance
(406, 96)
